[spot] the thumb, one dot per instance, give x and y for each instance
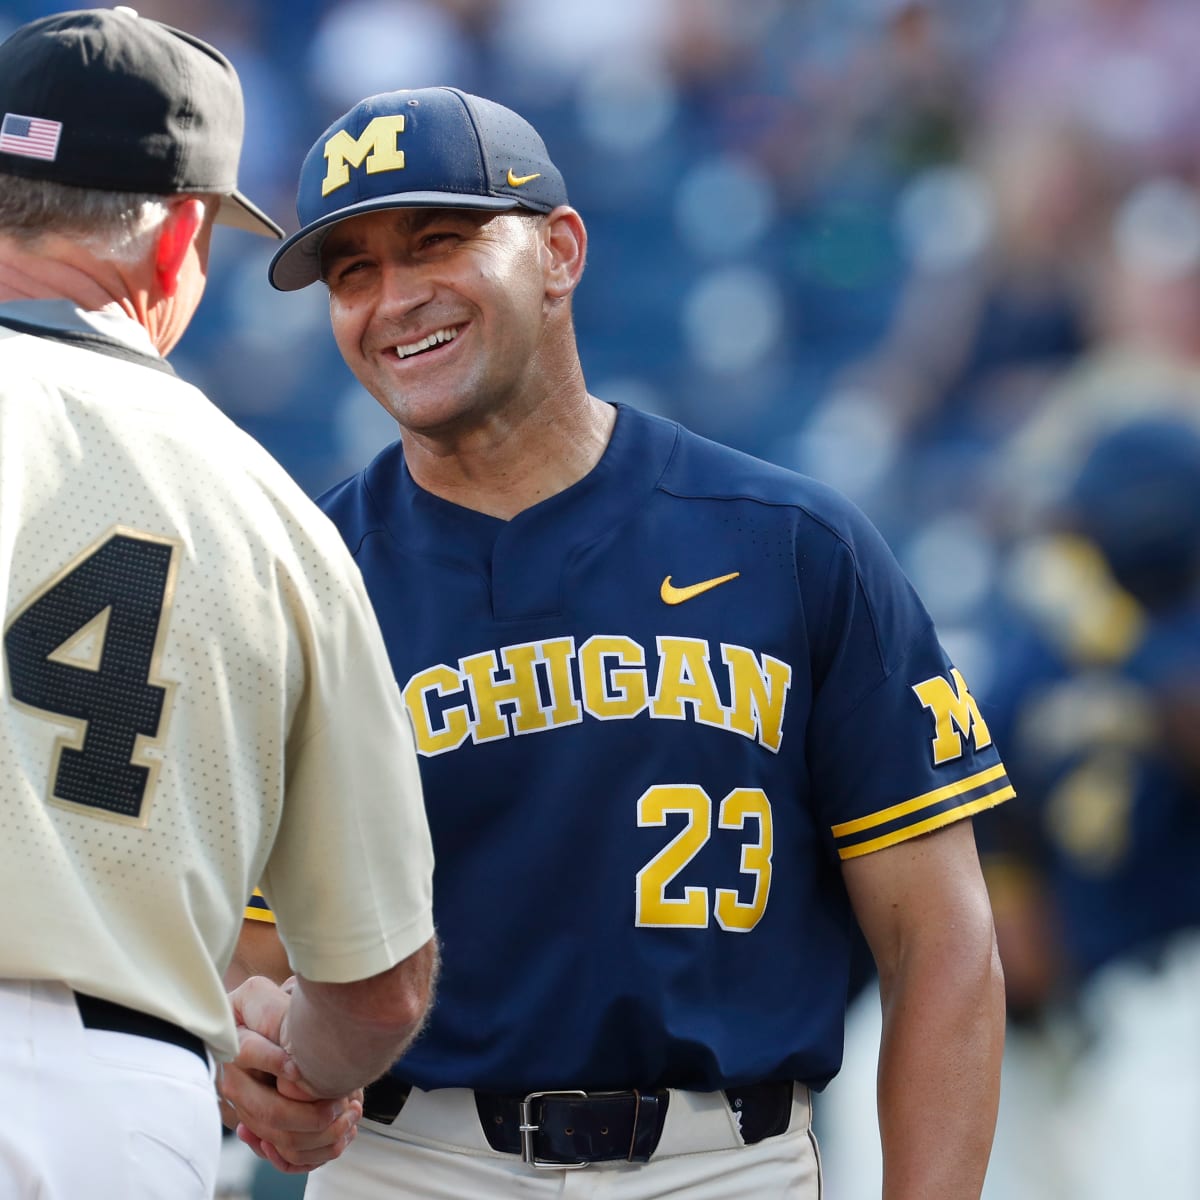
(261, 1005)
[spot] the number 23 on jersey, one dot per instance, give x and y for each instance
(691, 909)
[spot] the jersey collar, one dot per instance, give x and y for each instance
(108, 330)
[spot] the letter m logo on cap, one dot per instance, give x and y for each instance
(375, 146)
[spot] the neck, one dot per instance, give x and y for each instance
(515, 462)
(54, 268)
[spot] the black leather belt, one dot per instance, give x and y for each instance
(569, 1129)
(104, 1014)
(574, 1128)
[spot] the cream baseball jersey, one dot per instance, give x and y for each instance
(654, 714)
(196, 694)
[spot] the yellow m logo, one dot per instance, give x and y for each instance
(376, 146)
(955, 715)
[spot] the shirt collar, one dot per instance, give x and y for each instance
(65, 316)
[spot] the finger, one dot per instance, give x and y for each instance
(257, 1053)
(272, 1155)
(293, 1160)
(251, 1139)
(272, 1115)
(293, 1089)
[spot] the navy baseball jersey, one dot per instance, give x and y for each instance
(654, 713)
(1108, 813)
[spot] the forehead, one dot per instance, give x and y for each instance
(397, 222)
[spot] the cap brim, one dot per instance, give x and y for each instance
(239, 212)
(297, 263)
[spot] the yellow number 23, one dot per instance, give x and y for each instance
(690, 909)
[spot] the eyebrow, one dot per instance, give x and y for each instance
(338, 243)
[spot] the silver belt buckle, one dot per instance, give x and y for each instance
(528, 1129)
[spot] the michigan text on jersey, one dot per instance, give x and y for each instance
(542, 685)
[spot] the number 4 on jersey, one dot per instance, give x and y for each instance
(85, 652)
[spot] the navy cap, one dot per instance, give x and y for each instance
(107, 100)
(432, 147)
(1137, 497)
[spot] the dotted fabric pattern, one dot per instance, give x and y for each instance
(187, 646)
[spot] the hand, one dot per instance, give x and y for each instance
(277, 1117)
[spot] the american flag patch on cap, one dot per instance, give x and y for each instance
(30, 137)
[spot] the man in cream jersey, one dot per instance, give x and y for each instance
(196, 695)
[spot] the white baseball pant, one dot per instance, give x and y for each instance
(98, 1114)
(436, 1150)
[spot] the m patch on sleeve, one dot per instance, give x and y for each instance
(955, 715)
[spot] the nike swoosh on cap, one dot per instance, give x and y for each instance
(521, 180)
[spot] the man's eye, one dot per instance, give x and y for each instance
(342, 271)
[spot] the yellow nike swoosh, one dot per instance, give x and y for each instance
(521, 180)
(677, 595)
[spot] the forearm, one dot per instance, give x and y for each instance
(939, 1073)
(341, 1038)
(258, 952)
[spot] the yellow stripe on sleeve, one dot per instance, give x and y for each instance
(884, 816)
(937, 822)
(258, 910)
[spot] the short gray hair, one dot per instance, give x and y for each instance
(115, 224)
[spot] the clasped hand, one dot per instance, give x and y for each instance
(263, 1097)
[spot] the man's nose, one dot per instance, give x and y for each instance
(403, 287)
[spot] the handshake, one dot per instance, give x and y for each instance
(306, 1049)
(295, 1122)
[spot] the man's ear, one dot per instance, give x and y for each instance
(566, 243)
(185, 219)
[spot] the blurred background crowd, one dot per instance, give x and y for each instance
(941, 254)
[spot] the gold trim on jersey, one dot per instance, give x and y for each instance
(943, 818)
(995, 779)
(85, 647)
(884, 815)
(257, 909)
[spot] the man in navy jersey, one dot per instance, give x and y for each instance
(682, 722)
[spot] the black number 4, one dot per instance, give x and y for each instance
(84, 651)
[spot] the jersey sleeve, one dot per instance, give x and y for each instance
(349, 877)
(257, 908)
(897, 744)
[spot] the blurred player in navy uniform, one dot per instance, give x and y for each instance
(1099, 708)
(681, 721)
(195, 693)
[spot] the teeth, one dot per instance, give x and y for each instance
(434, 339)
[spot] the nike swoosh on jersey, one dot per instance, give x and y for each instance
(521, 180)
(677, 595)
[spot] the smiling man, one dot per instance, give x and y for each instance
(748, 738)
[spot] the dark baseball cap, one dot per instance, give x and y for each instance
(107, 100)
(433, 147)
(1137, 498)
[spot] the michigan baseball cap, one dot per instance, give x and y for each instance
(434, 147)
(105, 99)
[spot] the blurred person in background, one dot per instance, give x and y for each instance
(1144, 356)
(992, 313)
(1123, 69)
(1093, 869)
